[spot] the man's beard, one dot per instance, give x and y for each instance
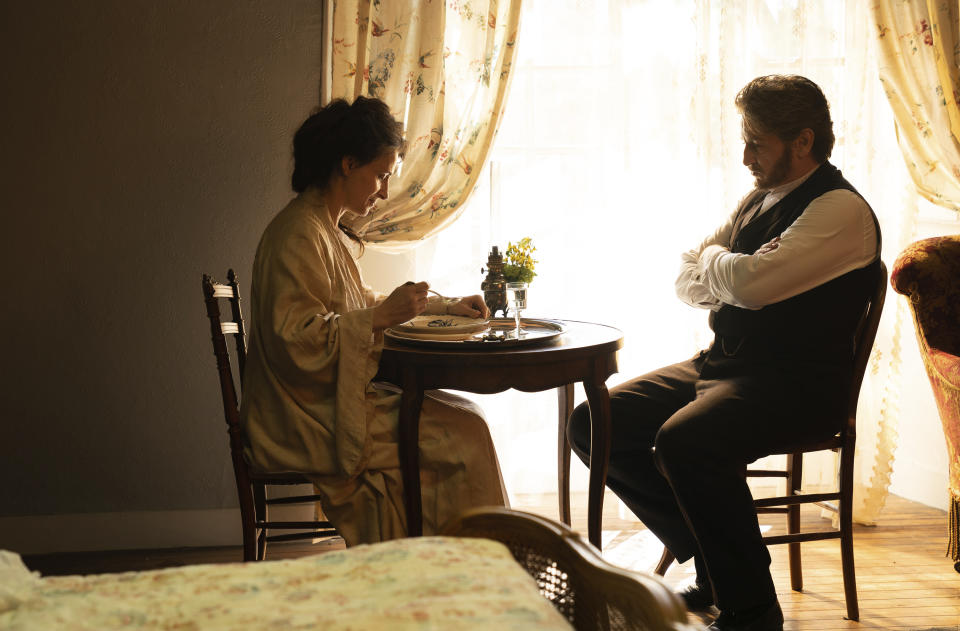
(777, 174)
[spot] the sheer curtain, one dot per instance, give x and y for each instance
(620, 147)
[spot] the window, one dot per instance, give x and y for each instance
(620, 148)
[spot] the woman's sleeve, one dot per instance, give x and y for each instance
(316, 350)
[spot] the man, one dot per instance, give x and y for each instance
(786, 279)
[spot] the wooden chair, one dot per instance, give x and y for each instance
(839, 501)
(590, 592)
(251, 485)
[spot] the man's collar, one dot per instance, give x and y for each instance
(780, 191)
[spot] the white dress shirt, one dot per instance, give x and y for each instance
(834, 235)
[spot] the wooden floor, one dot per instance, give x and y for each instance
(903, 578)
(904, 581)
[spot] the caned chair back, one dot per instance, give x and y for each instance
(588, 591)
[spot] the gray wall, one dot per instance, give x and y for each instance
(143, 143)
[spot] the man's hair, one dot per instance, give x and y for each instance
(785, 105)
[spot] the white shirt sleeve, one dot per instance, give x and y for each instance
(689, 285)
(834, 235)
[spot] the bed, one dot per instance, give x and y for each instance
(492, 569)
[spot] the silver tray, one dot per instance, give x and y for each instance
(502, 333)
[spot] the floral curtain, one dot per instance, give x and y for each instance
(444, 68)
(918, 52)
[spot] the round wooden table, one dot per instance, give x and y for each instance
(585, 352)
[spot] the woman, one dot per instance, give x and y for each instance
(309, 403)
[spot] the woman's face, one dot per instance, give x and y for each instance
(365, 184)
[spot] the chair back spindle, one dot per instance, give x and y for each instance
(241, 335)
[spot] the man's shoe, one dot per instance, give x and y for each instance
(769, 619)
(697, 597)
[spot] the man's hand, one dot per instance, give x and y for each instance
(403, 303)
(769, 246)
(470, 306)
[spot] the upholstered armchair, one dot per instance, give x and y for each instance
(928, 273)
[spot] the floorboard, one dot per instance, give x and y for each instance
(904, 580)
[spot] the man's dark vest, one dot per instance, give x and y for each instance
(818, 323)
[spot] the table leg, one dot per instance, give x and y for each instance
(599, 400)
(411, 402)
(565, 407)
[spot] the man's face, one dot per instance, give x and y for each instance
(768, 158)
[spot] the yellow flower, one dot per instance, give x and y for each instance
(519, 262)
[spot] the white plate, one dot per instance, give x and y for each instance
(441, 325)
(500, 334)
(432, 337)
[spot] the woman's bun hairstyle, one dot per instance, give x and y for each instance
(362, 131)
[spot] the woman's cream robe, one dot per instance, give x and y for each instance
(308, 402)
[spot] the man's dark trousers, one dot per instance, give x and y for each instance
(707, 418)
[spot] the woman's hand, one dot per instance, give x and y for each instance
(403, 303)
(470, 306)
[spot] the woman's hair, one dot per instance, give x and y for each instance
(362, 131)
(785, 105)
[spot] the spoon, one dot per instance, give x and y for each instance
(432, 291)
(438, 294)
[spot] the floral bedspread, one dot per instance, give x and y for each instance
(406, 584)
